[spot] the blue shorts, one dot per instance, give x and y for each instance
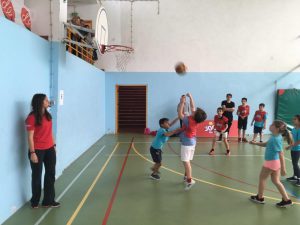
(257, 130)
(156, 155)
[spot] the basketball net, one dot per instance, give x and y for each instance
(122, 60)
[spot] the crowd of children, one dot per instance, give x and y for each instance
(274, 164)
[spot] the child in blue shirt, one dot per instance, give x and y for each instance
(162, 136)
(295, 151)
(274, 163)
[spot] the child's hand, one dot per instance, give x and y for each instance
(288, 147)
(283, 172)
(264, 127)
(182, 100)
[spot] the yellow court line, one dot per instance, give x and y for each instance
(72, 218)
(207, 182)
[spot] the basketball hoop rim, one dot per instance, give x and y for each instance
(115, 48)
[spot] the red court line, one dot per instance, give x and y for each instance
(222, 175)
(114, 194)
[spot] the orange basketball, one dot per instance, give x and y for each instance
(180, 68)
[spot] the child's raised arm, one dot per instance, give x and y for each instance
(180, 109)
(192, 103)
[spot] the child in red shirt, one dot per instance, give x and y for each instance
(243, 113)
(220, 128)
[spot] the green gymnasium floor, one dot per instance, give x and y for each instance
(109, 184)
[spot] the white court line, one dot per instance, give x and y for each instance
(196, 155)
(70, 185)
(290, 160)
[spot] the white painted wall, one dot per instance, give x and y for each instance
(40, 11)
(40, 16)
(213, 35)
(216, 35)
(17, 5)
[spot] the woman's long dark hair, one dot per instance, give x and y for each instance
(37, 103)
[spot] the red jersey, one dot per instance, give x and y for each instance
(260, 116)
(191, 129)
(42, 137)
(220, 123)
(244, 110)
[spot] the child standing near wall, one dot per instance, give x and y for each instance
(188, 137)
(243, 113)
(259, 120)
(220, 127)
(274, 163)
(162, 136)
(295, 151)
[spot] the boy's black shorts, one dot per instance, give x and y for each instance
(156, 155)
(257, 130)
(242, 123)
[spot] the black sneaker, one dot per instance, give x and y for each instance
(284, 204)
(34, 206)
(53, 205)
(154, 176)
(292, 179)
(298, 183)
(256, 199)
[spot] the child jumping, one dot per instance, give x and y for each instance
(295, 151)
(162, 136)
(188, 137)
(243, 113)
(274, 164)
(220, 127)
(259, 120)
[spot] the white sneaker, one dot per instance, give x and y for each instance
(188, 186)
(184, 179)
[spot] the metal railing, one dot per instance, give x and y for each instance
(76, 45)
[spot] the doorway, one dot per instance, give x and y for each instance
(131, 108)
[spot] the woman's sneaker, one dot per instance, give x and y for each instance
(188, 186)
(34, 206)
(52, 205)
(256, 199)
(284, 204)
(292, 179)
(154, 176)
(298, 183)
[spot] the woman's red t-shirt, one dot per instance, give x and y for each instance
(42, 137)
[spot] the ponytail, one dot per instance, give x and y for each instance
(288, 136)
